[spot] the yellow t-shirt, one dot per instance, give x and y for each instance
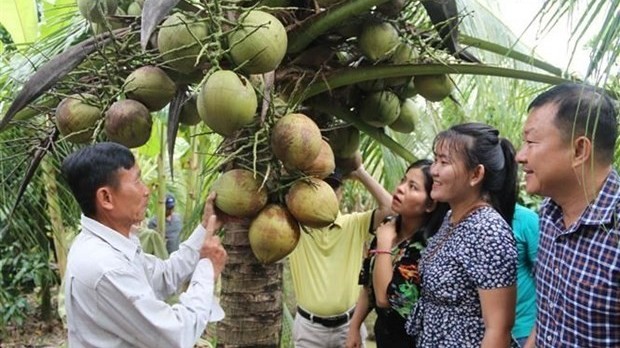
(325, 264)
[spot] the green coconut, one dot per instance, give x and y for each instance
(404, 54)
(296, 141)
(76, 119)
(226, 102)
(372, 85)
(259, 43)
(345, 141)
(433, 87)
(409, 113)
(151, 86)
(134, 9)
(189, 112)
(274, 233)
(407, 90)
(180, 41)
(377, 41)
(323, 164)
(379, 109)
(392, 8)
(239, 193)
(96, 11)
(312, 202)
(128, 122)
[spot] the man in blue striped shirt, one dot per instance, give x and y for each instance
(567, 155)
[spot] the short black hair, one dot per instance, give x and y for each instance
(92, 167)
(583, 110)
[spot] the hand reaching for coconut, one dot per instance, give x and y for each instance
(212, 221)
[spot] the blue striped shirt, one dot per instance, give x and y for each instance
(578, 274)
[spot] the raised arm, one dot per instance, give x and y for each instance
(381, 195)
(382, 273)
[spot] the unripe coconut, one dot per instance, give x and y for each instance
(408, 90)
(312, 202)
(179, 41)
(345, 141)
(380, 108)
(323, 164)
(226, 102)
(76, 119)
(128, 122)
(151, 86)
(134, 9)
(189, 112)
(239, 193)
(378, 41)
(273, 234)
(259, 43)
(404, 54)
(296, 140)
(433, 87)
(409, 113)
(372, 85)
(96, 10)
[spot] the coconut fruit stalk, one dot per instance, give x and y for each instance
(296, 141)
(273, 234)
(239, 193)
(128, 122)
(259, 43)
(226, 102)
(312, 202)
(76, 119)
(151, 86)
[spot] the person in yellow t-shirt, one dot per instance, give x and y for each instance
(324, 268)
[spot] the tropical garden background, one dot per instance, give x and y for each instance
(327, 70)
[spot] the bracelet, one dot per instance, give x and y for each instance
(377, 251)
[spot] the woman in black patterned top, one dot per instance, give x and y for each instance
(390, 272)
(468, 270)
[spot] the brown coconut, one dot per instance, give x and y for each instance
(323, 164)
(273, 234)
(312, 202)
(76, 119)
(128, 122)
(150, 86)
(296, 141)
(239, 193)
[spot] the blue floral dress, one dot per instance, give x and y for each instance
(478, 253)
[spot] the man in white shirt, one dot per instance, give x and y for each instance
(114, 292)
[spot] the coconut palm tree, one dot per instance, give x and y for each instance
(251, 292)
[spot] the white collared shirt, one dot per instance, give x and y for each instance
(114, 292)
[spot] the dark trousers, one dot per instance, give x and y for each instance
(390, 330)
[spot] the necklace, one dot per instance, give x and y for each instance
(452, 228)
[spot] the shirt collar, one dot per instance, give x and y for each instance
(601, 211)
(339, 220)
(128, 246)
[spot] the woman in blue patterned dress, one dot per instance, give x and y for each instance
(390, 273)
(468, 270)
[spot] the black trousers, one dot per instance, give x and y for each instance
(390, 330)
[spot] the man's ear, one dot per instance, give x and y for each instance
(581, 151)
(104, 198)
(476, 175)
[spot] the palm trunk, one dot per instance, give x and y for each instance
(251, 296)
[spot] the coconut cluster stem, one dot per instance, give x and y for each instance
(349, 76)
